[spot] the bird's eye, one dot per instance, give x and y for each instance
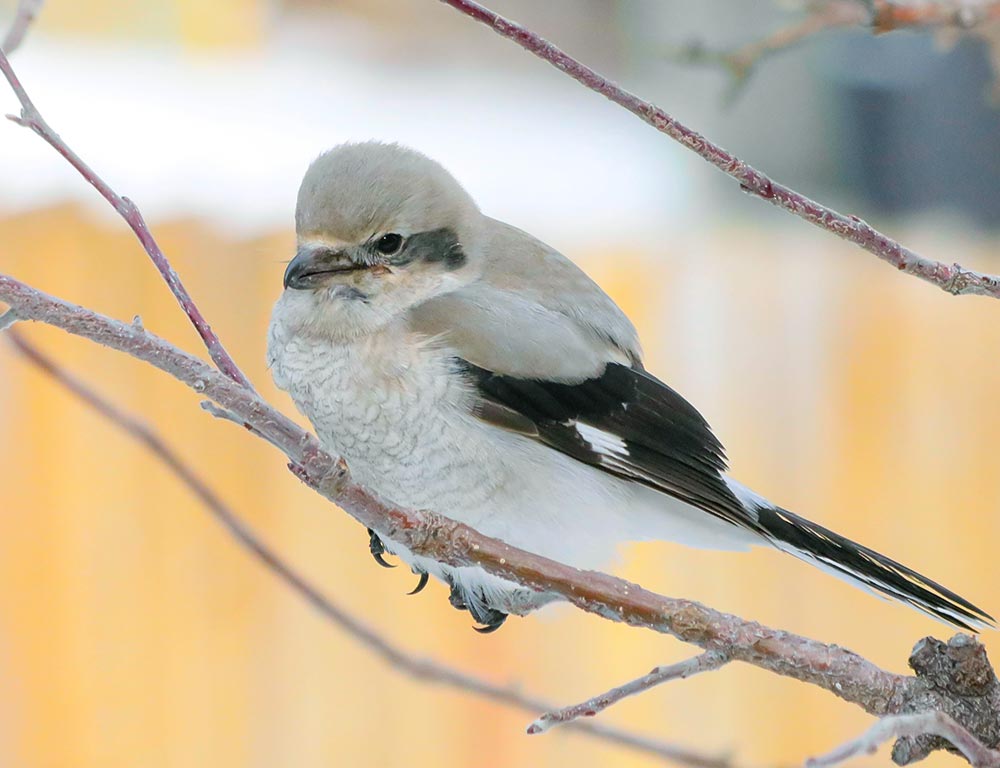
(389, 244)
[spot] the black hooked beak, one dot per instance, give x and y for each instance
(314, 263)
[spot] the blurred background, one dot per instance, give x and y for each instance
(134, 632)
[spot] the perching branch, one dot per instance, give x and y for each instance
(953, 278)
(955, 678)
(396, 658)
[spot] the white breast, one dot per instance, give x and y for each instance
(392, 406)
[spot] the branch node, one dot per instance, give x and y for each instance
(954, 680)
(220, 413)
(130, 209)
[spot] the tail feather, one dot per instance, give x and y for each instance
(867, 568)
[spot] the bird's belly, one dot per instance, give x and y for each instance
(436, 462)
(403, 427)
(407, 433)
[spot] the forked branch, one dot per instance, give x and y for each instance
(31, 118)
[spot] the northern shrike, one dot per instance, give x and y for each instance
(459, 365)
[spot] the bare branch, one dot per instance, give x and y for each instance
(31, 118)
(741, 62)
(27, 12)
(955, 677)
(704, 662)
(953, 278)
(889, 15)
(912, 726)
(880, 16)
(396, 658)
(450, 542)
(424, 533)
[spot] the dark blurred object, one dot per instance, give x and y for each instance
(916, 126)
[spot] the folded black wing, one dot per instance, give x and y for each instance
(625, 422)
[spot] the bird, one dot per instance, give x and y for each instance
(460, 365)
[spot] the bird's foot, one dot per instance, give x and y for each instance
(490, 619)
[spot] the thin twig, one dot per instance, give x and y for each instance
(953, 278)
(911, 726)
(704, 662)
(24, 17)
(31, 118)
(398, 659)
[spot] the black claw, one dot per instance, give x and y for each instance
(492, 626)
(490, 618)
(377, 548)
(420, 584)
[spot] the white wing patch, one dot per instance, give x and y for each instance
(751, 501)
(604, 443)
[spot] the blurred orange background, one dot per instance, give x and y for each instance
(134, 632)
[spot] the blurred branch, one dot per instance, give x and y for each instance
(24, 17)
(31, 118)
(912, 726)
(880, 16)
(421, 669)
(741, 62)
(960, 14)
(953, 278)
(704, 662)
(955, 678)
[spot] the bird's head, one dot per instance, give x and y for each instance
(380, 228)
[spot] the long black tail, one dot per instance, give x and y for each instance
(866, 567)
